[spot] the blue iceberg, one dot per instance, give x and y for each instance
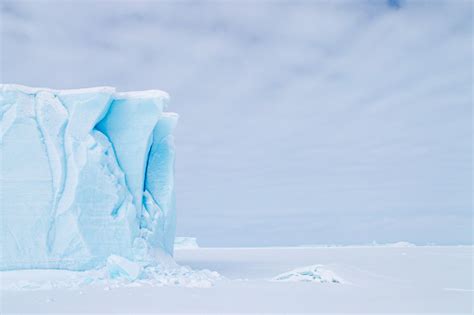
(85, 174)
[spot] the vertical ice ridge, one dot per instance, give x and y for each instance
(160, 183)
(153, 223)
(113, 169)
(52, 117)
(27, 186)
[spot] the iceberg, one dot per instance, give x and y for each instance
(86, 174)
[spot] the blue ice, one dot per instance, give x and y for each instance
(77, 166)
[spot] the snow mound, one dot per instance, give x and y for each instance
(185, 243)
(314, 273)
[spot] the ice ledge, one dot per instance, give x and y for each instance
(34, 90)
(146, 94)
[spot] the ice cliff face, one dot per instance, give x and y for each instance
(85, 174)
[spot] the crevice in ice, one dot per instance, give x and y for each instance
(129, 125)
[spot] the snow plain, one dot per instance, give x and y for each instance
(376, 279)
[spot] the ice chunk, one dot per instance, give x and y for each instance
(72, 176)
(120, 267)
(185, 243)
(314, 273)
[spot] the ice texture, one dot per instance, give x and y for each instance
(74, 168)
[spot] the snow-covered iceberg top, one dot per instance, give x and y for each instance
(85, 174)
(99, 89)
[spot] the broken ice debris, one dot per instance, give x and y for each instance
(120, 267)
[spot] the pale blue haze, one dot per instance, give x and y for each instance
(301, 122)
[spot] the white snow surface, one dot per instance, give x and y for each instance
(377, 279)
(118, 273)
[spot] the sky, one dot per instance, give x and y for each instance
(301, 122)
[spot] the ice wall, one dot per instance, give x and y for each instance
(160, 216)
(76, 166)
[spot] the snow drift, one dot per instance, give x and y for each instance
(314, 273)
(85, 174)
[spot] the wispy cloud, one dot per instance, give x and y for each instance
(304, 121)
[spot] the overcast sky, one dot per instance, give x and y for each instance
(302, 122)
